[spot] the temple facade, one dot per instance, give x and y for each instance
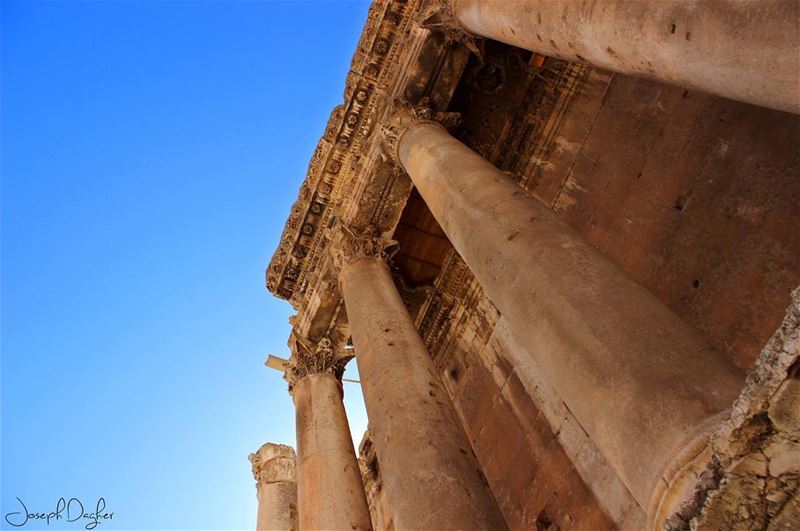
(561, 241)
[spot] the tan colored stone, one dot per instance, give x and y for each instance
(429, 474)
(330, 493)
(276, 487)
(784, 457)
(695, 44)
(784, 410)
(755, 464)
(631, 371)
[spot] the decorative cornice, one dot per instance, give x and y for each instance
(440, 16)
(373, 70)
(352, 244)
(273, 463)
(319, 359)
(404, 115)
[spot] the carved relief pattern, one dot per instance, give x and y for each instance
(302, 248)
(273, 463)
(320, 359)
(404, 115)
(453, 295)
(439, 16)
(353, 244)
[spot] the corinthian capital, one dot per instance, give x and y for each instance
(273, 463)
(405, 114)
(350, 245)
(440, 15)
(313, 359)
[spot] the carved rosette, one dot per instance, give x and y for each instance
(350, 245)
(319, 359)
(403, 116)
(273, 463)
(440, 16)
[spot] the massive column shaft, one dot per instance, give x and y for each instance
(430, 476)
(330, 493)
(276, 487)
(746, 50)
(636, 376)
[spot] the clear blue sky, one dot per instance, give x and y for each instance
(150, 154)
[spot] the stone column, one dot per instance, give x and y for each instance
(430, 475)
(636, 376)
(330, 493)
(276, 487)
(739, 49)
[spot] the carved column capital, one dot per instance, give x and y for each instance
(440, 16)
(351, 244)
(317, 359)
(403, 116)
(273, 463)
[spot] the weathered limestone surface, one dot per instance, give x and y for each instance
(330, 493)
(599, 337)
(379, 508)
(689, 194)
(524, 454)
(276, 487)
(751, 477)
(430, 476)
(743, 50)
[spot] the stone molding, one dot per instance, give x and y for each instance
(405, 115)
(322, 358)
(273, 463)
(376, 66)
(440, 16)
(354, 244)
(348, 177)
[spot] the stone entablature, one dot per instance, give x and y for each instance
(349, 181)
(374, 70)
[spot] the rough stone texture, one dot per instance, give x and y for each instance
(330, 494)
(379, 509)
(276, 487)
(752, 476)
(691, 43)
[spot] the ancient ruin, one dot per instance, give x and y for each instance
(560, 239)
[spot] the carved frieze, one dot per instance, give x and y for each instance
(302, 250)
(348, 180)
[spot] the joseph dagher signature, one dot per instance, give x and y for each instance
(66, 511)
